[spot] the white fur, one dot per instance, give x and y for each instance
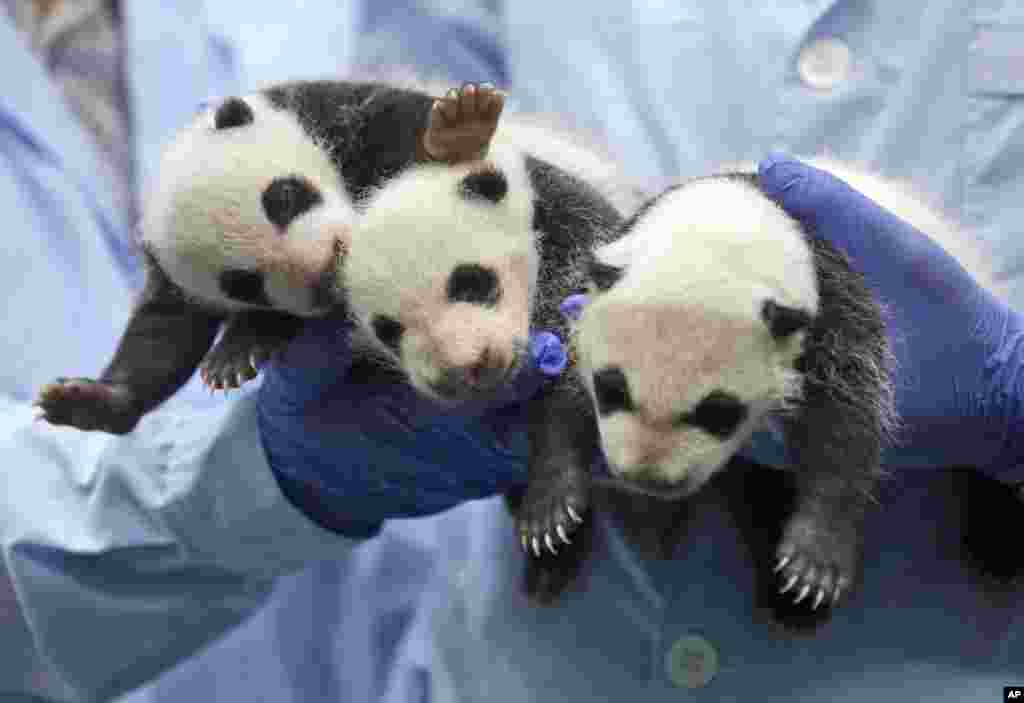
(205, 212)
(413, 233)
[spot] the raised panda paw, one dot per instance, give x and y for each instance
(88, 405)
(816, 565)
(462, 123)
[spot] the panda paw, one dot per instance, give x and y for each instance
(88, 405)
(547, 576)
(226, 367)
(462, 123)
(551, 511)
(816, 565)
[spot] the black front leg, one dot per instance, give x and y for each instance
(165, 339)
(836, 436)
(838, 451)
(553, 517)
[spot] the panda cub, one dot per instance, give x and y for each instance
(252, 210)
(714, 311)
(449, 271)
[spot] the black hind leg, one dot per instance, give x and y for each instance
(164, 341)
(553, 517)
(249, 340)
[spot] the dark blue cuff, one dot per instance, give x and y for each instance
(314, 505)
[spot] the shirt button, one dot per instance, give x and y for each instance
(824, 63)
(691, 662)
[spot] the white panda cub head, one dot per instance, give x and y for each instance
(442, 273)
(248, 212)
(695, 336)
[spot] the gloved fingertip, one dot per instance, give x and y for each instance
(780, 174)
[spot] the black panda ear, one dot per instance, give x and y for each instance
(488, 184)
(604, 275)
(782, 320)
(233, 112)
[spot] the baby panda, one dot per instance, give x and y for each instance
(449, 271)
(250, 214)
(714, 312)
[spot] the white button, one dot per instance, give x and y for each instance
(824, 63)
(691, 662)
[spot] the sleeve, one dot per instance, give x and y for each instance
(128, 554)
(120, 555)
(446, 41)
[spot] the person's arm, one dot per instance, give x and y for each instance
(130, 553)
(960, 350)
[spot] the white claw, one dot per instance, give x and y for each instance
(536, 547)
(39, 415)
(818, 598)
(550, 543)
(252, 362)
(803, 593)
(561, 533)
(240, 379)
(790, 583)
(782, 562)
(573, 515)
(835, 594)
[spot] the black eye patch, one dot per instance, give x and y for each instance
(719, 414)
(612, 391)
(604, 275)
(245, 286)
(488, 185)
(473, 283)
(233, 112)
(389, 332)
(288, 197)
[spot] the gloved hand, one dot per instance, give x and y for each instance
(960, 351)
(353, 450)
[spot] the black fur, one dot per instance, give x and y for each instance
(489, 185)
(473, 283)
(719, 413)
(783, 321)
(244, 286)
(572, 218)
(603, 275)
(165, 339)
(389, 332)
(371, 131)
(611, 389)
(287, 197)
(233, 112)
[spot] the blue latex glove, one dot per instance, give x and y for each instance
(352, 452)
(960, 351)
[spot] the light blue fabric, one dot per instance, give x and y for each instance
(128, 553)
